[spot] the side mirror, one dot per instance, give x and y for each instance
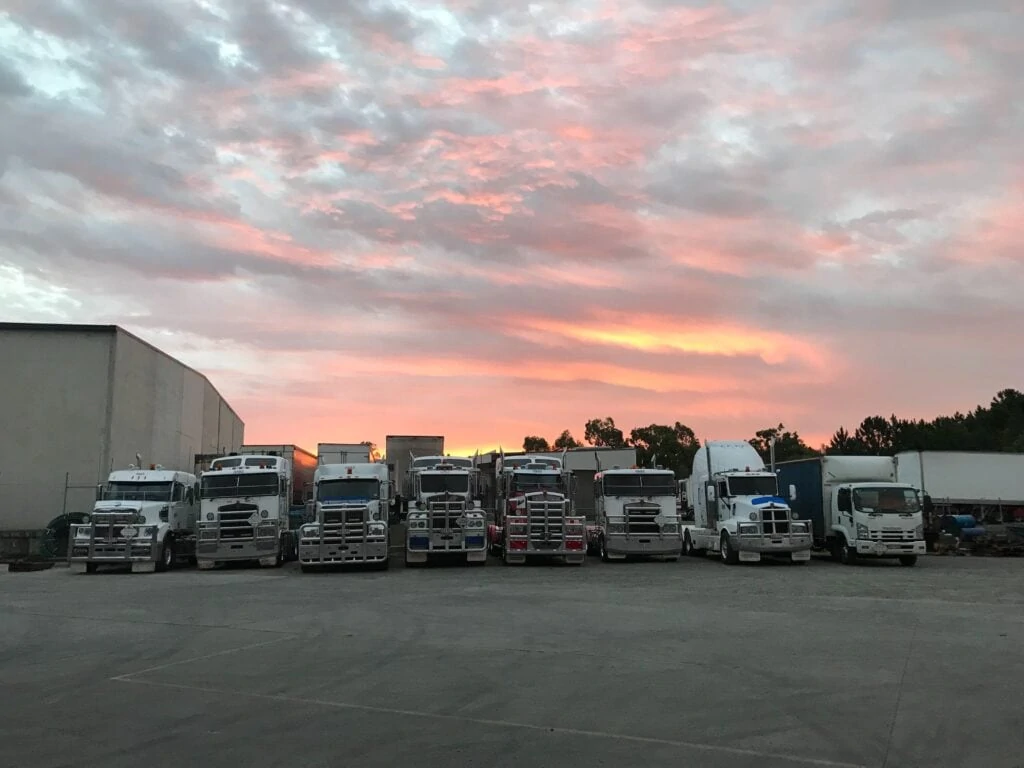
(792, 492)
(711, 493)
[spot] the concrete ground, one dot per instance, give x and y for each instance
(636, 664)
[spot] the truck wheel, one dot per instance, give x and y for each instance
(166, 561)
(604, 550)
(91, 567)
(688, 548)
(908, 561)
(729, 555)
(847, 554)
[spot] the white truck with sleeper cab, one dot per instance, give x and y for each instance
(145, 518)
(737, 510)
(856, 506)
(446, 521)
(244, 511)
(351, 507)
(636, 514)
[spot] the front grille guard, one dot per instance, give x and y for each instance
(544, 524)
(111, 544)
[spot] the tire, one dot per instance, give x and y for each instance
(603, 547)
(688, 548)
(91, 567)
(847, 554)
(166, 561)
(908, 561)
(729, 555)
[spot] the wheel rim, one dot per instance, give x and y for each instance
(604, 549)
(725, 549)
(168, 556)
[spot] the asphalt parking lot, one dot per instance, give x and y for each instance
(634, 664)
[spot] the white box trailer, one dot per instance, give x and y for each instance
(399, 450)
(962, 477)
(343, 453)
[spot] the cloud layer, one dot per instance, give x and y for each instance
(493, 219)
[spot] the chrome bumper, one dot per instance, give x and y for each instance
(768, 546)
(315, 552)
(654, 544)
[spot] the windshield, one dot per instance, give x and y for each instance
(892, 500)
(224, 486)
(639, 485)
(523, 483)
(221, 463)
(120, 491)
(357, 489)
(439, 483)
(753, 485)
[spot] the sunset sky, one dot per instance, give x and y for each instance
(489, 219)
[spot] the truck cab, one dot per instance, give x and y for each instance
(351, 505)
(244, 508)
(535, 516)
(446, 520)
(857, 507)
(737, 510)
(637, 514)
(144, 518)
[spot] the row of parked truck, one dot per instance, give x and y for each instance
(240, 508)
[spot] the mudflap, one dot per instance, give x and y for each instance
(146, 567)
(268, 562)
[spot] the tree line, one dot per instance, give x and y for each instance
(998, 427)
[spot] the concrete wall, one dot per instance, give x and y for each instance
(54, 396)
(83, 399)
(166, 411)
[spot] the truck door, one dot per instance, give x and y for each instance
(844, 506)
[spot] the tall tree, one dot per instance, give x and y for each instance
(603, 433)
(788, 445)
(565, 441)
(374, 453)
(535, 444)
(670, 447)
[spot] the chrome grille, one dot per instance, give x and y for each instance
(444, 515)
(546, 520)
(641, 519)
(774, 521)
(235, 524)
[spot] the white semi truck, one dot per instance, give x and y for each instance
(351, 505)
(244, 511)
(636, 514)
(145, 518)
(534, 516)
(446, 520)
(737, 510)
(856, 506)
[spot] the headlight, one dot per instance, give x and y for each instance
(209, 516)
(310, 531)
(376, 529)
(799, 527)
(375, 516)
(140, 518)
(753, 516)
(264, 514)
(746, 529)
(670, 528)
(616, 528)
(919, 532)
(147, 532)
(82, 532)
(862, 531)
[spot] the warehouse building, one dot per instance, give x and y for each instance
(79, 400)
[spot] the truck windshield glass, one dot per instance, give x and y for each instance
(439, 483)
(540, 482)
(121, 491)
(357, 489)
(221, 463)
(891, 500)
(224, 486)
(764, 485)
(639, 485)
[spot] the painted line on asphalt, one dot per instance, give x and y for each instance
(126, 678)
(509, 724)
